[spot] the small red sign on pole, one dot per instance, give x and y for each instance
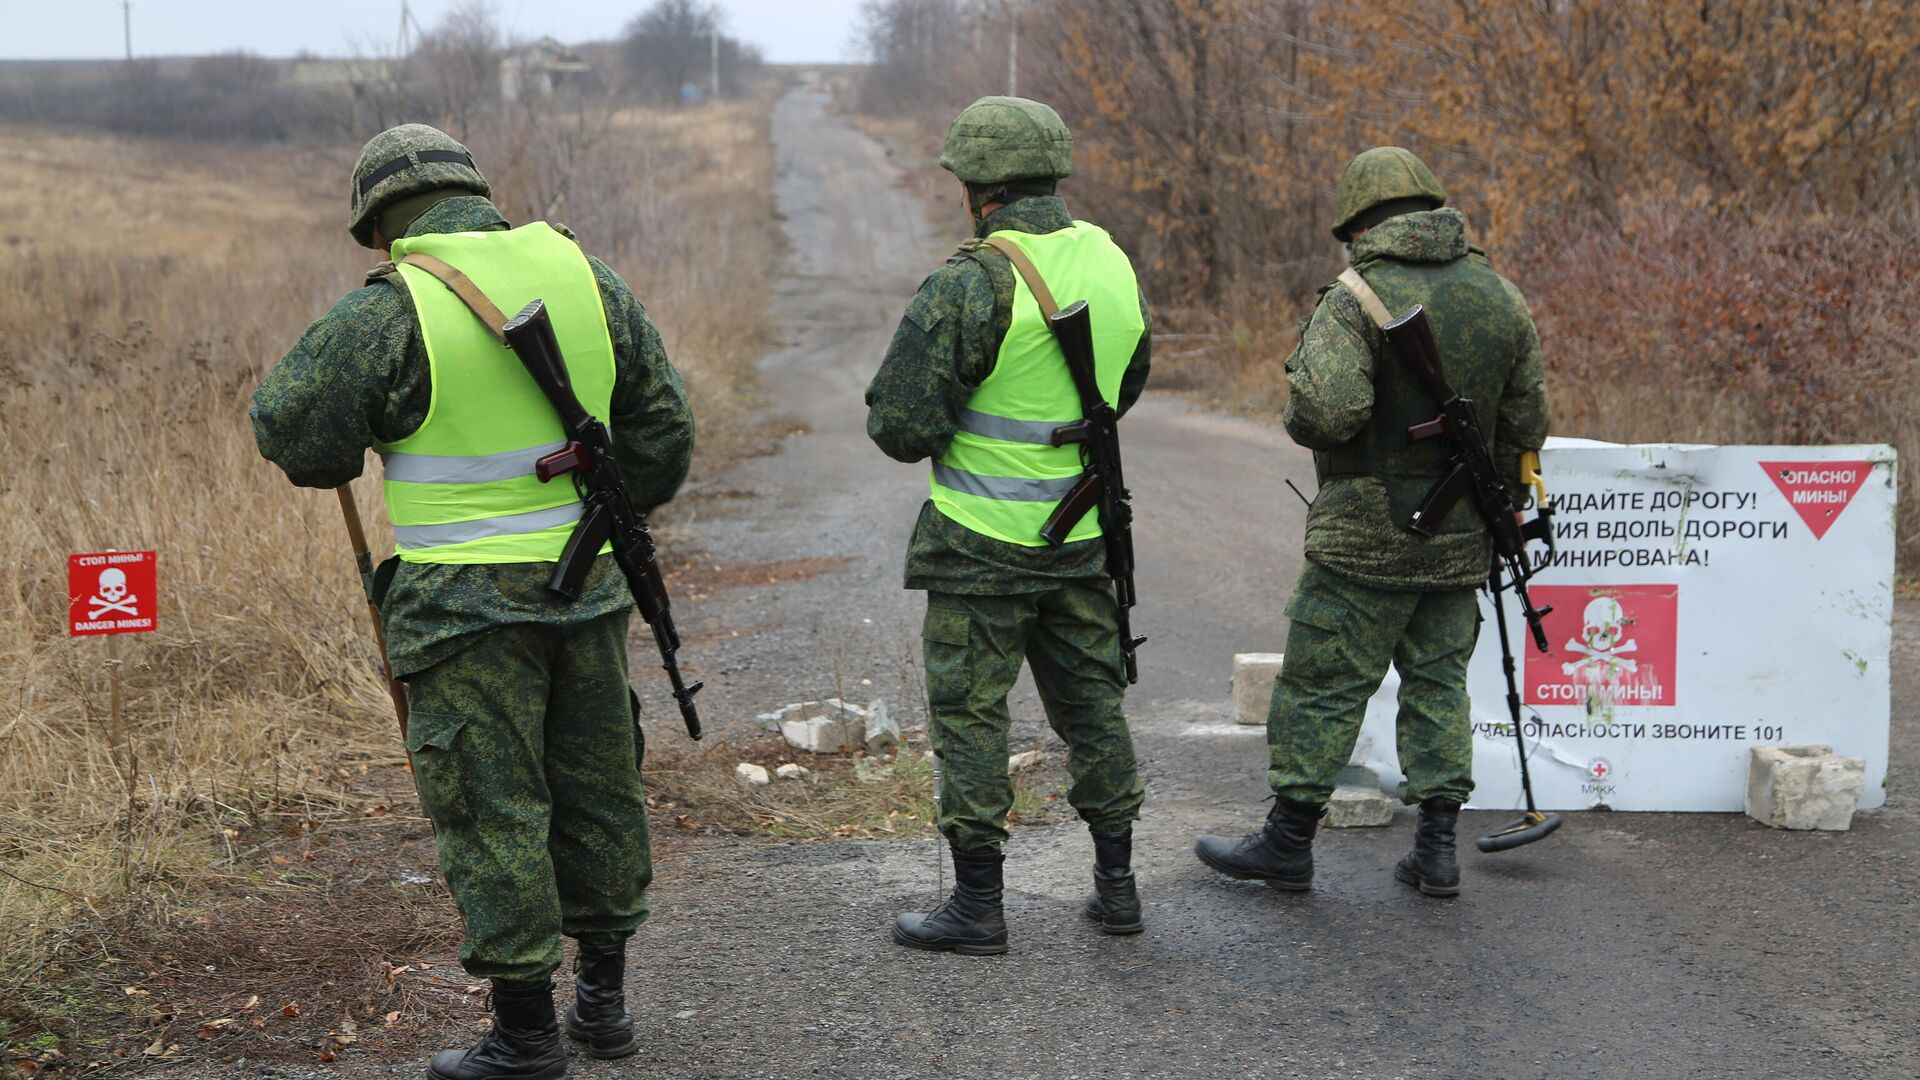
(112, 592)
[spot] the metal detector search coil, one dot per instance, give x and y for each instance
(1524, 830)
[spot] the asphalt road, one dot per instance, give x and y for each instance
(1629, 945)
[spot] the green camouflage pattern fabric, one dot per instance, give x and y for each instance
(360, 375)
(1070, 637)
(1382, 174)
(1341, 638)
(1350, 400)
(999, 139)
(527, 754)
(945, 347)
(407, 140)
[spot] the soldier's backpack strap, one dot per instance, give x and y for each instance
(1369, 300)
(1027, 271)
(463, 287)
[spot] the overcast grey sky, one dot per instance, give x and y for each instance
(788, 31)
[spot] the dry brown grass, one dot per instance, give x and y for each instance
(145, 287)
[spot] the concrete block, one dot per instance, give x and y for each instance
(1357, 808)
(821, 727)
(818, 735)
(1804, 787)
(749, 775)
(1253, 675)
(882, 731)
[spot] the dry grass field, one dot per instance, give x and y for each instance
(144, 288)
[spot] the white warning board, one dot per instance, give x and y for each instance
(1706, 600)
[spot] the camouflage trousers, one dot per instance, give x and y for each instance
(1342, 637)
(974, 648)
(526, 753)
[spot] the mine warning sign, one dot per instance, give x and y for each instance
(1818, 490)
(112, 592)
(1700, 609)
(1609, 644)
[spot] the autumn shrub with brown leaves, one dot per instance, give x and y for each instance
(1688, 327)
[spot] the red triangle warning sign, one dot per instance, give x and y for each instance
(1819, 490)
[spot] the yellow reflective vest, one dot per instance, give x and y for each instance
(461, 489)
(1001, 476)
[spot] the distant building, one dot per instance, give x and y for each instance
(537, 70)
(322, 74)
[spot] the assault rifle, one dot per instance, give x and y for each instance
(608, 514)
(1470, 470)
(1471, 473)
(1102, 488)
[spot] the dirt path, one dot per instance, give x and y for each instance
(1642, 945)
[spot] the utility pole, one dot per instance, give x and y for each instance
(1013, 56)
(714, 38)
(1013, 49)
(126, 22)
(400, 49)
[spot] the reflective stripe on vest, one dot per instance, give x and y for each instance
(462, 489)
(1004, 488)
(422, 537)
(1039, 432)
(1002, 476)
(465, 469)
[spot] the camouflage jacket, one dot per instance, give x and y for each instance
(360, 375)
(945, 347)
(1350, 400)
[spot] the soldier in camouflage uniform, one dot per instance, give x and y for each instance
(523, 732)
(973, 381)
(1373, 591)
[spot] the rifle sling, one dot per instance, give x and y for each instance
(1028, 272)
(1369, 300)
(463, 287)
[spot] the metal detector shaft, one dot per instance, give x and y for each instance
(1535, 825)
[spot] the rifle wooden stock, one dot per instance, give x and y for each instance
(363, 562)
(1084, 497)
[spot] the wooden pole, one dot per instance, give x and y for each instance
(116, 719)
(363, 560)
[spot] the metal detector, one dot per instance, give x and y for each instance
(1533, 825)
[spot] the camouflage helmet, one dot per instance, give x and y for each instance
(1383, 174)
(404, 161)
(1000, 139)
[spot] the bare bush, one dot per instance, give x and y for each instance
(669, 51)
(458, 66)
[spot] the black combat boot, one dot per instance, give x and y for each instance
(1281, 852)
(524, 1043)
(598, 1016)
(1430, 866)
(1115, 903)
(970, 922)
